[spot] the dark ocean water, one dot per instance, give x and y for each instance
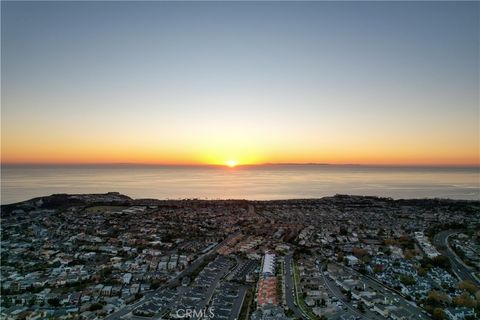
(249, 182)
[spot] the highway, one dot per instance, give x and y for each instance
(440, 241)
(289, 288)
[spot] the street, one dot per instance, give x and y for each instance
(289, 288)
(174, 281)
(440, 241)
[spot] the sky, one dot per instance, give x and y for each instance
(245, 82)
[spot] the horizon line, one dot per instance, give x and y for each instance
(265, 164)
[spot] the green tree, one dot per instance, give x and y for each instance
(154, 284)
(464, 300)
(361, 307)
(441, 262)
(54, 302)
(407, 280)
(340, 257)
(422, 272)
(439, 314)
(95, 307)
(468, 286)
(7, 302)
(437, 298)
(349, 295)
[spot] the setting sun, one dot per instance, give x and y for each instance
(231, 163)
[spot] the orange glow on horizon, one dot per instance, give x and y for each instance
(165, 158)
(232, 152)
(292, 91)
(231, 163)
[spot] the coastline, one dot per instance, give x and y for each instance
(117, 199)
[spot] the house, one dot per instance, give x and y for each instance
(107, 291)
(127, 277)
(459, 313)
(352, 260)
(135, 288)
(381, 309)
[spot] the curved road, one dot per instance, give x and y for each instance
(440, 241)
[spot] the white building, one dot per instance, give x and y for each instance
(127, 277)
(268, 268)
(426, 246)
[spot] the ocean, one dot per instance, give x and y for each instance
(264, 182)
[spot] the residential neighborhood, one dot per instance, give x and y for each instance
(107, 256)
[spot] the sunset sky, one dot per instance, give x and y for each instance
(251, 82)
